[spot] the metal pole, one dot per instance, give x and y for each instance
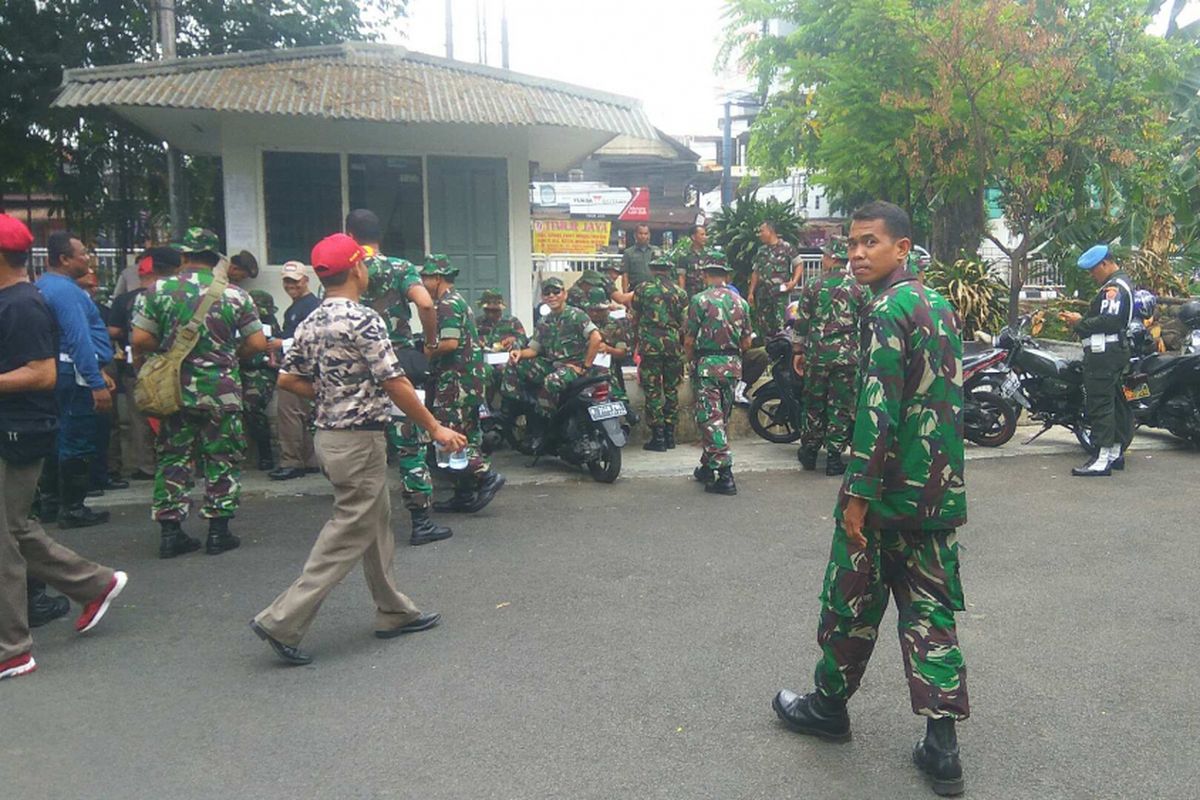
(504, 34)
(165, 18)
(727, 159)
(449, 29)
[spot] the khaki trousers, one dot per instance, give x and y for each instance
(137, 451)
(25, 549)
(293, 415)
(360, 530)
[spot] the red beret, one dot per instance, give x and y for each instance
(336, 253)
(146, 265)
(14, 235)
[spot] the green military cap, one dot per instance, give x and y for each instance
(714, 259)
(597, 298)
(836, 248)
(591, 276)
(438, 264)
(198, 240)
(614, 266)
(491, 299)
(661, 262)
(552, 283)
(263, 301)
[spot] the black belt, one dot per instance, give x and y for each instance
(366, 426)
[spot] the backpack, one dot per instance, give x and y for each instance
(158, 391)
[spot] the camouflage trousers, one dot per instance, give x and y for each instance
(770, 310)
(920, 569)
(456, 402)
(411, 441)
(715, 379)
(258, 387)
(828, 407)
(549, 377)
(660, 377)
(212, 439)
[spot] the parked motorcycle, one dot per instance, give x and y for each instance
(1163, 391)
(989, 419)
(777, 408)
(585, 429)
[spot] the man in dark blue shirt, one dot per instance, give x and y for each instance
(82, 390)
(294, 413)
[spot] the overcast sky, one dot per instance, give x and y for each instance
(662, 52)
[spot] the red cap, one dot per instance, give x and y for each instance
(146, 265)
(336, 253)
(14, 235)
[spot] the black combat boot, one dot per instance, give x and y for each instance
(75, 478)
(42, 607)
(703, 474)
(669, 436)
(814, 715)
(807, 456)
(425, 530)
(492, 482)
(656, 441)
(462, 500)
(937, 756)
(834, 464)
(219, 537)
(174, 542)
(724, 482)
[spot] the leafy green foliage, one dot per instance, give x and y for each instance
(977, 294)
(735, 230)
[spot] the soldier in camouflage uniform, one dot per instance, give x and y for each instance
(689, 261)
(498, 332)
(208, 430)
(716, 334)
(616, 337)
(659, 312)
(826, 336)
(457, 373)
(901, 499)
(258, 383)
(772, 278)
(394, 283)
(563, 346)
(589, 279)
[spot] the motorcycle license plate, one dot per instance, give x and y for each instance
(484, 411)
(1010, 386)
(606, 411)
(1137, 393)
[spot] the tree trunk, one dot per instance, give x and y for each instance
(958, 226)
(1016, 279)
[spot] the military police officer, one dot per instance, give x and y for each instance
(716, 334)
(1105, 359)
(659, 312)
(826, 336)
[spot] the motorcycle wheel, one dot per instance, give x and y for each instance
(606, 468)
(769, 418)
(1005, 424)
(515, 432)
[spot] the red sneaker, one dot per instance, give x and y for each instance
(17, 665)
(94, 611)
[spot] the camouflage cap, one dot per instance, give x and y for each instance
(615, 266)
(198, 240)
(438, 264)
(591, 276)
(491, 299)
(597, 298)
(836, 248)
(661, 262)
(714, 259)
(552, 283)
(263, 301)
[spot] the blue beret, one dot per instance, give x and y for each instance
(1093, 256)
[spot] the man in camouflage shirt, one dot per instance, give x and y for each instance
(902, 497)
(258, 382)
(457, 372)
(581, 290)
(716, 334)
(773, 277)
(690, 260)
(563, 346)
(394, 283)
(826, 337)
(208, 430)
(616, 336)
(659, 312)
(498, 332)
(342, 359)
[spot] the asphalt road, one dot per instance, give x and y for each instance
(625, 642)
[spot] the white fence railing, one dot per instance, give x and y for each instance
(1039, 272)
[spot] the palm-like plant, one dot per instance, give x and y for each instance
(977, 294)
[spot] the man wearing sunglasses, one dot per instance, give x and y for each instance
(562, 348)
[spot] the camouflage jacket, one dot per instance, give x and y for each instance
(456, 320)
(577, 294)
(563, 336)
(387, 293)
(617, 334)
(263, 360)
(907, 453)
(343, 348)
(718, 320)
(210, 375)
(492, 333)
(659, 311)
(827, 325)
(773, 263)
(688, 265)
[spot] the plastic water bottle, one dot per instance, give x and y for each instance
(442, 455)
(459, 460)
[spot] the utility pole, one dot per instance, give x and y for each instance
(727, 157)
(163, 16)
(449, 29)
(504, 34)
(481, 30)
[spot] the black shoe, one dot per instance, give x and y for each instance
(421, 623)
(139, 475)
(219, 537)
(1098, 467)
(424, 530)
(724, 482)
(813, 715)
(834, 464)
(669, 436)
(807, 456)
(266, 464)
(43, 608)
(1118, 463)
(937, 756)
(285, 473)
(74, 476)
(631, 416)
(291, 655)
(113, 483)
(174, 542)
(656, 441)
(484, 493)
(81, 517)
(703, 475)
(462, 499)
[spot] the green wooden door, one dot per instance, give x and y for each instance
(468, 221)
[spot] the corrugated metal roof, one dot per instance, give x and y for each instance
(354, 81)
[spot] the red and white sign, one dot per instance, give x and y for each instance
(638, 207)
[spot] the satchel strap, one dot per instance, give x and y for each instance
(189, 334)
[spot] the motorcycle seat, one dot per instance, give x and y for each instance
(1156, 363)
(581, 383)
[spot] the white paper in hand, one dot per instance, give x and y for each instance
(498, 359)
(602, 360)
